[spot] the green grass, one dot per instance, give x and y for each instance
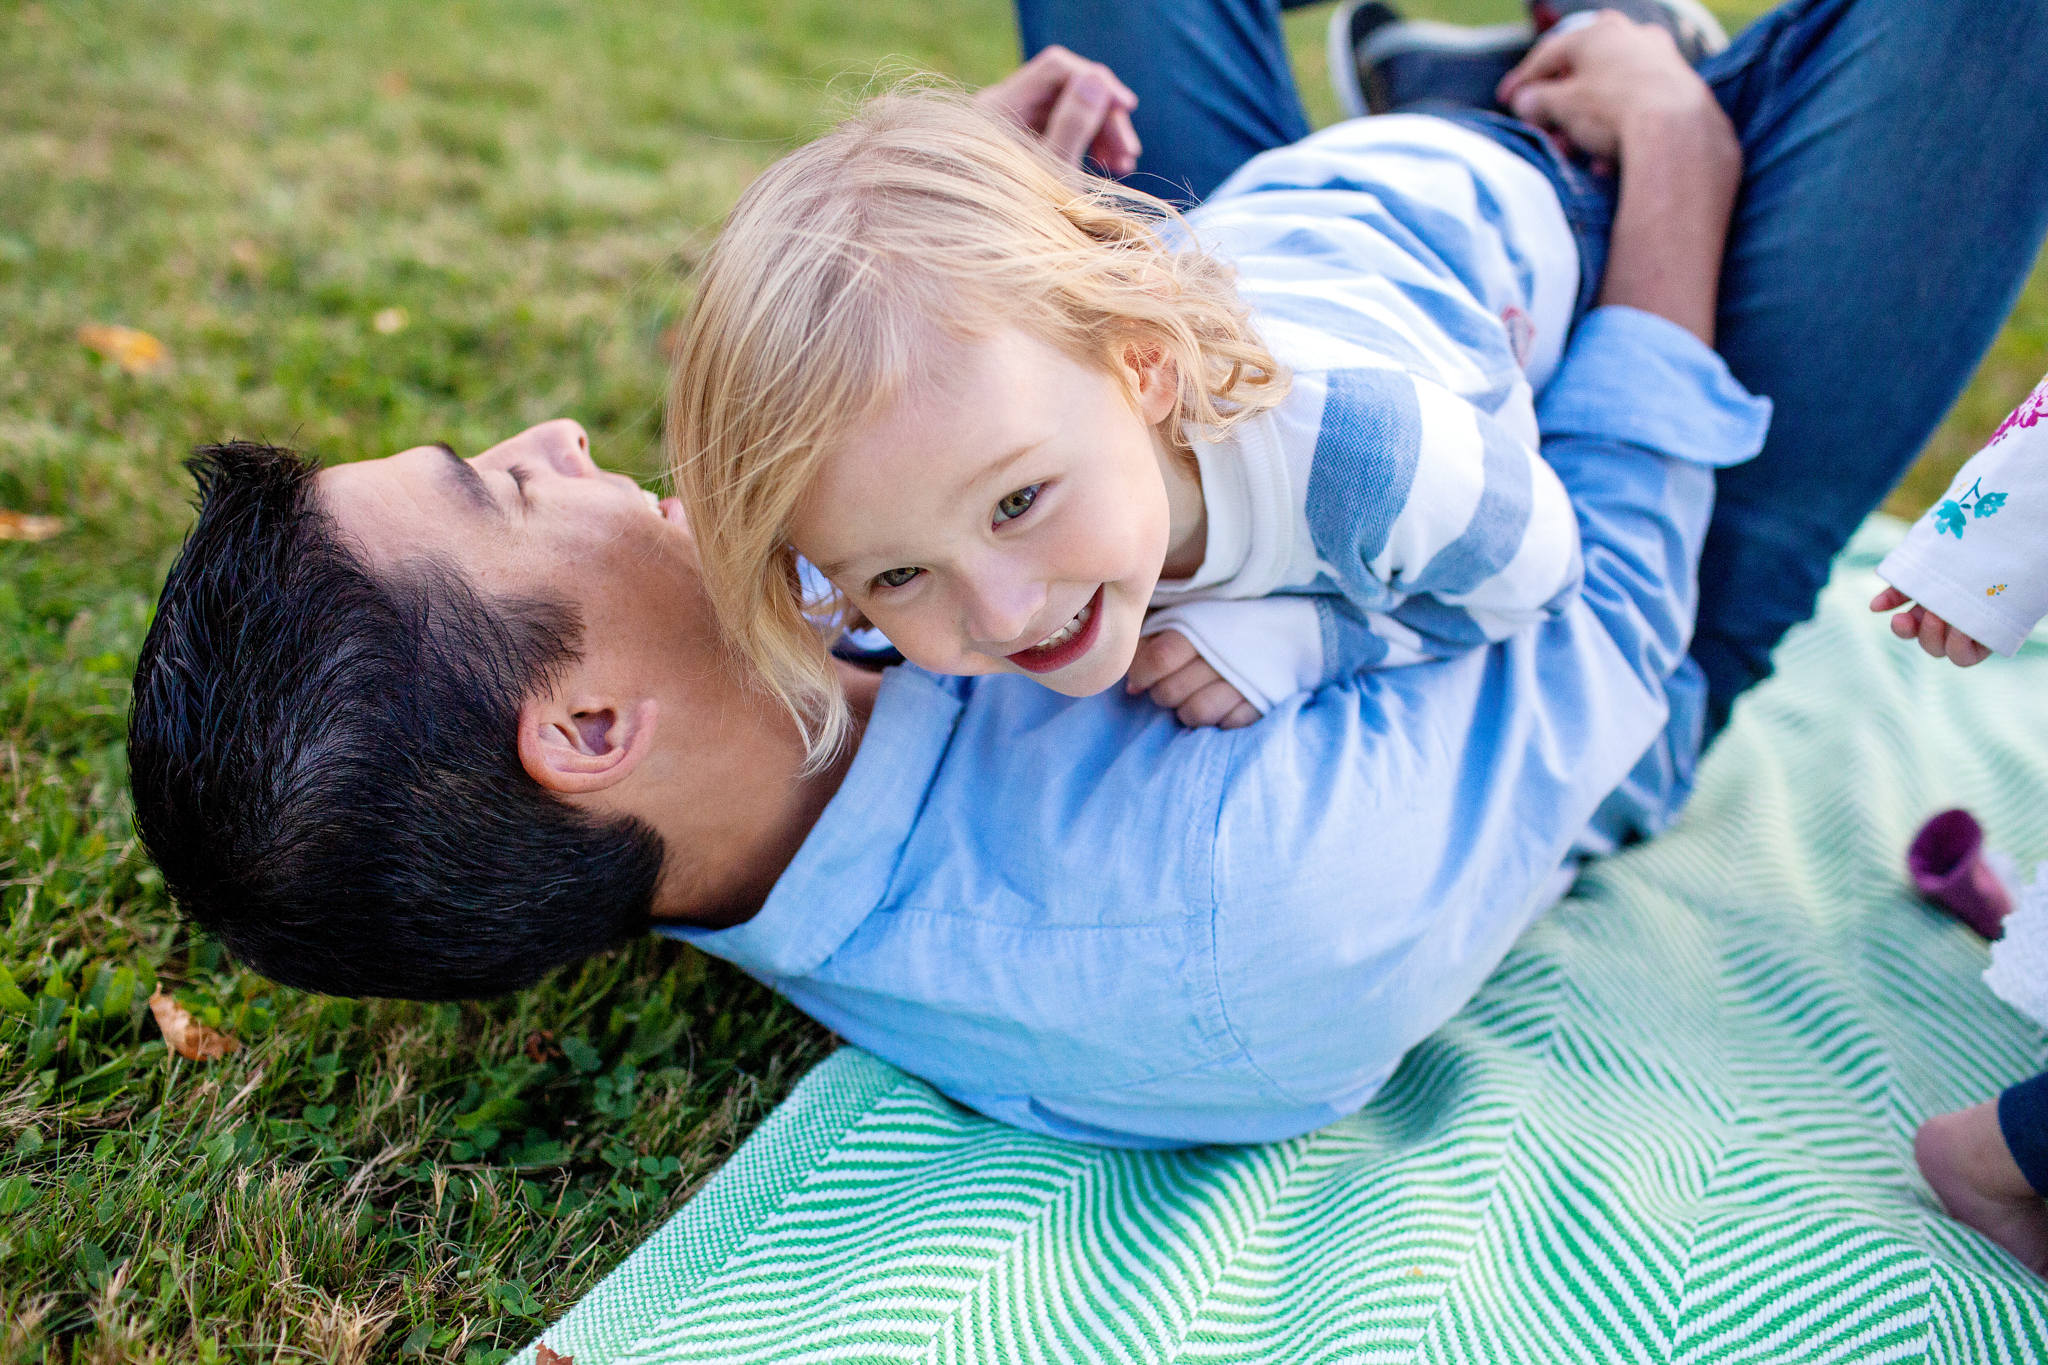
(254, 184)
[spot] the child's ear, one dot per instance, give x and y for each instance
(573, 744)
(1154, 378)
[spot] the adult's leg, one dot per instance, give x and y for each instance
(1894, 198)
(1212, 78)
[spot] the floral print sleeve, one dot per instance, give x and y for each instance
(1979, 557)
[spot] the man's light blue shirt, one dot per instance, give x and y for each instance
(1079, 917)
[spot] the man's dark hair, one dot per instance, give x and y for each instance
(325, 760)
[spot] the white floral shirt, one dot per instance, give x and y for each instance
(1979, 558)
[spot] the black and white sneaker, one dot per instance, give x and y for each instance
(1380, 62)
(1698, 33)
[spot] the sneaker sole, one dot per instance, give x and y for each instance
(1343, 60)
(1713, 38)
(1427, 35)
(1689, 14)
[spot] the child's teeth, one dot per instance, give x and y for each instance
(1067, 631)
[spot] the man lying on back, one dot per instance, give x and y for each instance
(428, 727)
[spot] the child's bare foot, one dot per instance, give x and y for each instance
(1965, 1159)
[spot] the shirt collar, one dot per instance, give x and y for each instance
(845, 865)
(1248, 499)
(1226, 505)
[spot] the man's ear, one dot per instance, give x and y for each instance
(1155, 379)
(573, 743)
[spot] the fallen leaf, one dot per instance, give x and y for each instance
(389, 320)
(393, 83)
(187, 1036)
(135, 352)
(543, 1356)
(22, 526)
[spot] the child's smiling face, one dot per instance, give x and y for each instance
(1012, 518)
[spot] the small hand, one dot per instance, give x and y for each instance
(1178, 678)
(1936, 636)
(1602, 81)
(1078, 106)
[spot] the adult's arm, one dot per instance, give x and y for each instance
(1619, 91)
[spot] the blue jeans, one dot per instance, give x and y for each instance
(1893, 198)
(2023, 1123)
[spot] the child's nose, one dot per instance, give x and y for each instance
(999, 613)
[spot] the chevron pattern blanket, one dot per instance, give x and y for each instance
(1675, 1126)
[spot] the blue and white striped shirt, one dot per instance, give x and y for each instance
(1076, 915)
(1417, 280)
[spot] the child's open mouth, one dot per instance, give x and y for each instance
(1066, 644)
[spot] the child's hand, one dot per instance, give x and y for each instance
(1178, 678)
(1076, 105)
(1935, 635)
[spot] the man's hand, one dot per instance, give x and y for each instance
(1168, 667)
(1936, 636)
(1619, 91)
(1076, 105)
(1601, 83)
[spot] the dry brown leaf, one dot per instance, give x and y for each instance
(543, 1356)
(22, 526)
(134, 351)
(187, 1036)
(392, 84)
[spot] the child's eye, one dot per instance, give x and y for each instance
(1017, 504)
(896, 578)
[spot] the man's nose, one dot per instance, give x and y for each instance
(559, 447)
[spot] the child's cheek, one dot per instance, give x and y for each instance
(925, 639)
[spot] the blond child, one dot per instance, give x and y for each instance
(1023, 418)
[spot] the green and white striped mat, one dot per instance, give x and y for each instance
(1675, 1126)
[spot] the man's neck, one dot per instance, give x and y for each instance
(756, 859)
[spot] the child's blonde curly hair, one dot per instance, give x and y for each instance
(922, 217)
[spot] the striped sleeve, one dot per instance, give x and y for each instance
(1443, 528)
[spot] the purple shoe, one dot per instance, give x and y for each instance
(1947, 865)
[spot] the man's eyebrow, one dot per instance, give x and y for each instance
(473, 488)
